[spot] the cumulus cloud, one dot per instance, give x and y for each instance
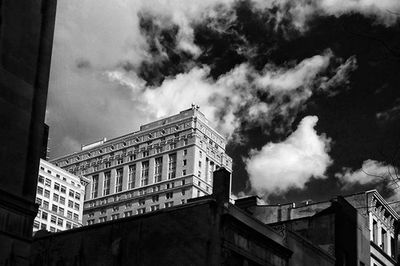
(278, 167)
(371, 172)
(234, 96)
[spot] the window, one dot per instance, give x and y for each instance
(41, 179)
(76, 206)
(141, 211)
(199, 173)
(107, 164)
(55, 197)
(145, 153)
(62, 200)
(44, 216)
(63, 189)
(120, 161)
(61, 211)
(128, 213)
(46, 204)
(71, 193)
(70, 204)
(184, 152)
(169, 204)
(142, 202)
(60, 222)
(199, 163)
(54, 208)
(39, 213)
(103, 211)
(392, 247)
(95, 186)
(36, 224)
(115, 208)
(169, 195)
(52, 229)
(183, 192)
(43, 226)
(47, 193)
(53, 219)
(145, 173)
(77, 195)
(102, 219)
(118, 180)
(375, 232)
(132, 157)
(172, 166)
(183, 182)
(158, 170)
(154, 198)
(184, 162)
(184, 172)
(56, 186)
(39, 201)
(69, 214)
(68, 225)
(76, 217)
(90, 222)
(115, 216)
(57, 175)
(182, 201)
(384, 240)
(48, 182)
(106, 183)
(131, 176)
(201, 154)
(39, 190)
(155, 207)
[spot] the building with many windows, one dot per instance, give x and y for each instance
(163, 164)
(60, 196)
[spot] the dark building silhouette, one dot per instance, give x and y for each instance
(26, 37)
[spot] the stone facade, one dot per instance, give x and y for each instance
(163, 164)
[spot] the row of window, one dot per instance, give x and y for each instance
(57, 198)
(63, 189)
(144, 177)
(130, 213)
(58, 176)
(43, 226)
(56, 209)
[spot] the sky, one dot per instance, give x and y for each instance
(306, 92)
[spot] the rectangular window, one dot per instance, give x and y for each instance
(68, 225)
(90, 222)
(76, 217)
(184, 162)
(375, 232)
(62, 200)
(55, 197)
(145, 173)
(61, 211)
(118, 180)
(169, 204)
(95, 186)
(41, 179)
(131, 176)
(60, 222)
(115, 216)
(56, 186)
(184, 152)
(71, 193)
(155, 207)
(53, 219)
(76, 206)
(128, 213)
(46, 204)
(70, 204)
(52, 229)
(384, 240)
(43, 226)
(169, 195)
(44, 216)
(158, 170)
(155, 198)
(172, 166)
(69, 214)
(39, 201)
(184, 172)
(36, 224)
(47, 193)
(106, 183)
(48, 182)
(102, 219)
(54, 208)
(141, 210)
(77, 195)
(63, 189)
(39, 190)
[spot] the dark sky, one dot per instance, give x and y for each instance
(307, 92)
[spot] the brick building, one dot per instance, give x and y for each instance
(163, 164)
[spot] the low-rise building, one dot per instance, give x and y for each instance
(60, 197)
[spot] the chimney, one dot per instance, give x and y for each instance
(222, 185)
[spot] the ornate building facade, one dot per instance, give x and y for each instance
(163, 164)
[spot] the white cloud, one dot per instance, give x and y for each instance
(371, 172)
(278, 167)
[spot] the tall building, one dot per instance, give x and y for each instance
(26, 38)
(60, 197)
(163, 164)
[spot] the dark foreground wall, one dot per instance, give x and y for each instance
(198, 233)
(26, 36)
